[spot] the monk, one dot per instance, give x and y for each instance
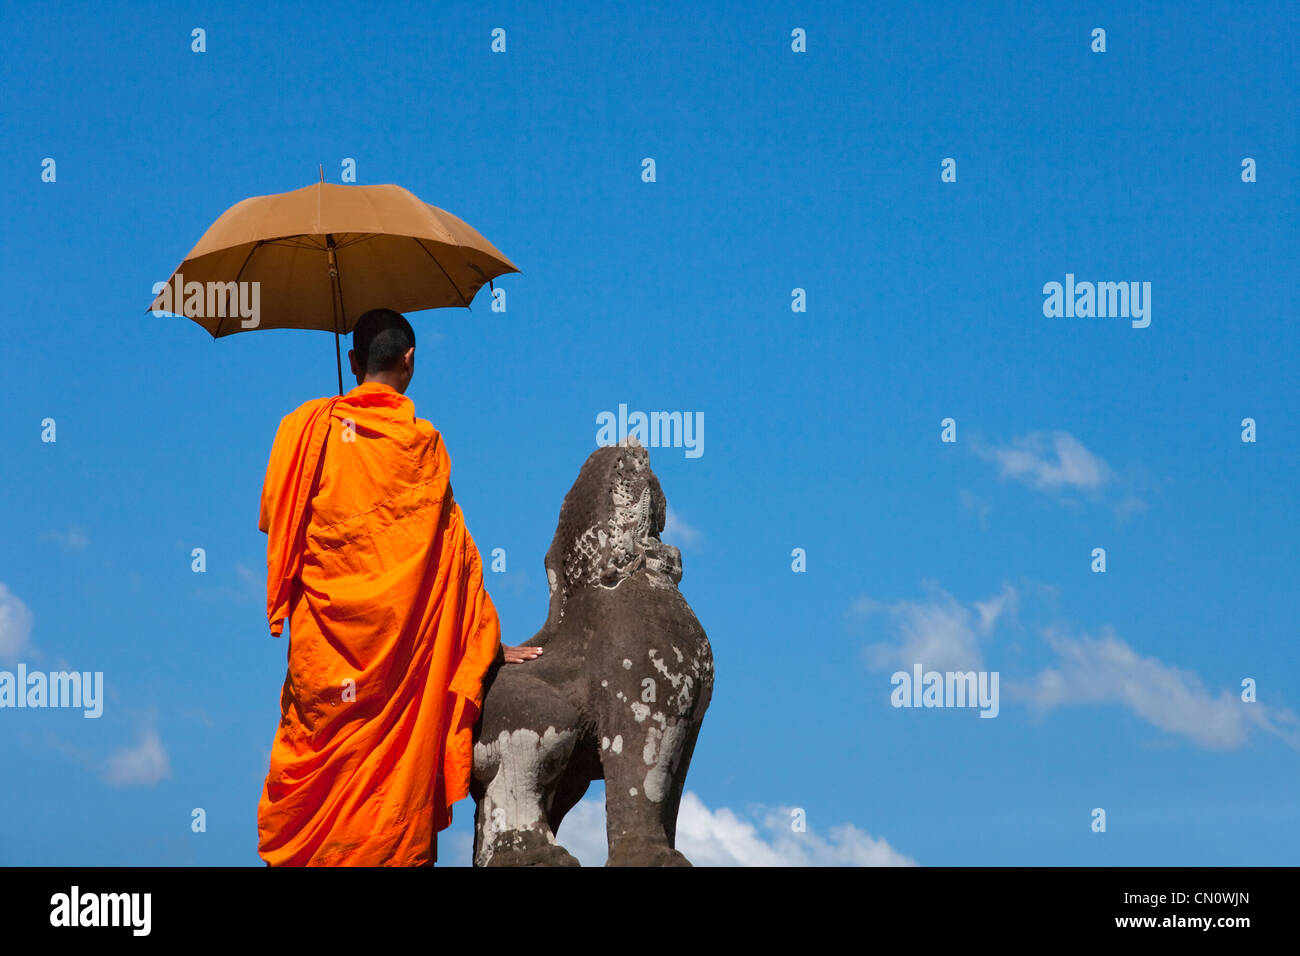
(391, 630)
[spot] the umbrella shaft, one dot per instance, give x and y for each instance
(338, 360)
(336, 299)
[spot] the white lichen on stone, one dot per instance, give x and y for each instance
(659, 779)
(517, 760)
(651, 750)
(662, 667)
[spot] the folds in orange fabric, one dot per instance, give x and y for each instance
(391, 633)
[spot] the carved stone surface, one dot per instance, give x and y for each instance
(618, 694)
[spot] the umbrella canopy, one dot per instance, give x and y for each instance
(322, 256)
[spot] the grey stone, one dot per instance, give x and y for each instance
(618, 694)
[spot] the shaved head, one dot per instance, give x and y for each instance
(380, 339)
(383, 349)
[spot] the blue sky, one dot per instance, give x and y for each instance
(775, 170)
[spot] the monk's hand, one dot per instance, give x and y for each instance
(517, 655)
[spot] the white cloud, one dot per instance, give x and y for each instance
(992, 609)
(1107, 670)
(582, 831)
(678, 532)
(940, 633)
(15, 625)
(1049, 462)
(143, 765)
(74, 539)
(1129, 505)
(723, 837)
(977, 506)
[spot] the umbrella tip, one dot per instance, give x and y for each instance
(322, 172)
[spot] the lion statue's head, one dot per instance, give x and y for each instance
(609, 527)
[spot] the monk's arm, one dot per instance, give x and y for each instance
(277, 449)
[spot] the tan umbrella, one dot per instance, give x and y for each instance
(322, 256)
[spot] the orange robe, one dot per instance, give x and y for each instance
(391, 632)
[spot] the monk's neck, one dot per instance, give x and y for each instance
(385, 382)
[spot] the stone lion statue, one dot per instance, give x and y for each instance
(619, 693)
